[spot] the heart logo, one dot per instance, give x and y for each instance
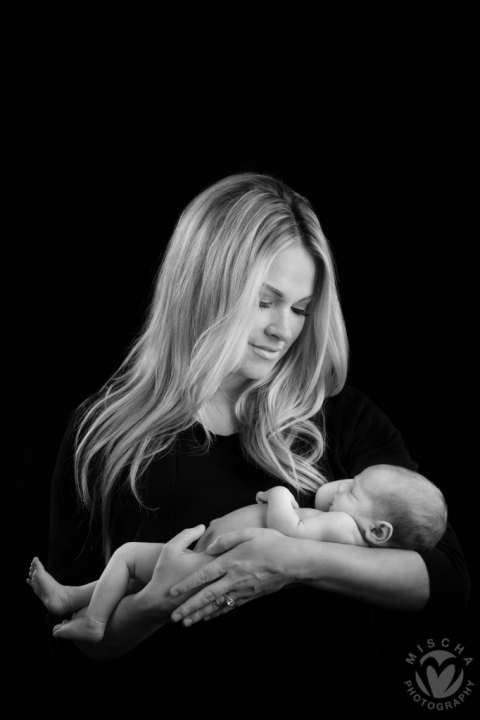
(440, 674)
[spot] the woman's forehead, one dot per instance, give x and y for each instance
(292, 274)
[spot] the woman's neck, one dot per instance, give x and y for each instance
(221, 413)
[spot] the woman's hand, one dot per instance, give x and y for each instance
(250, 563)
(175, 563)
(139, 615)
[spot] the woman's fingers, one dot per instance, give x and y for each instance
(227, 541)
(210, 601)
(185, 538)
(248, 570)
(212, 571)
(207, 612)
(206, 574)
(217, 613)
(199, 605)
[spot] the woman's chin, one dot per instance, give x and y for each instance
(259, 371)
(249, 373)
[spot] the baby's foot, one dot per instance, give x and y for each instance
(81, 628)
(53, 595)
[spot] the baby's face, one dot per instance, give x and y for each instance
(356, 497)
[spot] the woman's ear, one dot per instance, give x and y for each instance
(379, 533)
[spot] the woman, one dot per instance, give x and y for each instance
(236, 384)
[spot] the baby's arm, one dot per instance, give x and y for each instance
(281, 513)
(335, 527)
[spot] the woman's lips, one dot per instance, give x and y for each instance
(265, 353)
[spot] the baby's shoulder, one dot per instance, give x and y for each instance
(344, 525)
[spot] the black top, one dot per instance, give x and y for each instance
(188, 488)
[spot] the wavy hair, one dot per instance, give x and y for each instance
(195, 335)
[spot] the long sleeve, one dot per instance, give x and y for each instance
(361, 435)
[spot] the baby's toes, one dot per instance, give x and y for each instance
(58, 628)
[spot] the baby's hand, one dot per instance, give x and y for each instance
(276, 493)
(262, 497)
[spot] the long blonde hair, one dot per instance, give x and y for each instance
(195, 335)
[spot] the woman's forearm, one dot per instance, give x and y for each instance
(257, 561)
(129, 625)
(137, 616)
(395, 579)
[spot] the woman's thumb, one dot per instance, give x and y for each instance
(227, 541)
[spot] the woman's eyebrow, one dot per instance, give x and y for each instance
(280, 294)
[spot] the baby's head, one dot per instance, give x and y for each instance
(394, 507)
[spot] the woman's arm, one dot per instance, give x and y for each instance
(360, 436)
(137, 616)
(256, 562)
(75, 558)
(129, 625)
(391, 578)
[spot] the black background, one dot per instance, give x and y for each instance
(365, 114)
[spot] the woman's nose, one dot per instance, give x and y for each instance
(280, 328)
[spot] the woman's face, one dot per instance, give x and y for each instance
(280, 316)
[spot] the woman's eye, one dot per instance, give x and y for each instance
(268, 304)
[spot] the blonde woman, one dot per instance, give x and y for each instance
(235, 385)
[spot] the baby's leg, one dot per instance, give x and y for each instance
(58, 599)
(131, 561)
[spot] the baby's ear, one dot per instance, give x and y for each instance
(379, 533)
